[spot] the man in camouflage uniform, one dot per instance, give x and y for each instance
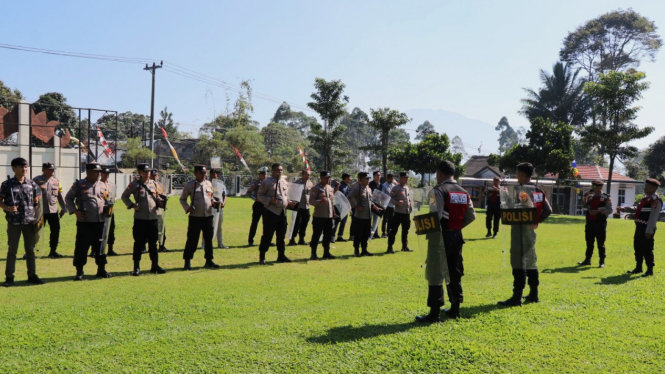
(257, 207)
(19, 197)
(146, 212)
(87, 199)
(199, 192)
(598, 206)
(52, 197)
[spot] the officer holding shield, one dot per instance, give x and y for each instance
(523, 237)
(52, 197)
(399, 197)
(257, 207)
(321, 197)
(598, 206)
(302, 219)
(88, 200)
(339, 226)
(360, 199)
(374, 185)
(455, 212)
(146, 205)
(387, 188)
(19, 198)
(219, 190)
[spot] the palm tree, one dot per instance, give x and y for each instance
(561, 99)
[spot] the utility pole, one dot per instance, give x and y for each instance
(152, 70)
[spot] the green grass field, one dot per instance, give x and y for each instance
(346, 315)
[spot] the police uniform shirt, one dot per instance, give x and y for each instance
(51, 190)
(604, 207)
(24, 194)
(200, 195)
(321, 209)
(401, 193)
(304, 199)
(361, 196)
(652, 204)
(273, 189)
(253, 189)
(145, 197)
(88, 195)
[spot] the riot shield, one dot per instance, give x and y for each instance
(381, 199)
(294, 192)
(430, 243)
(108, 215)
(218, 191)
(418, 197)
(39, 219)
(342, 204)
(518, 211)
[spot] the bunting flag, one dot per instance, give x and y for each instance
(241, 159)
(102, 141)
(575, 171)
(304, 159)
(173, 152)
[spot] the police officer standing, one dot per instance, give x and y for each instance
(146, 212)
(493, 201)
(387, 188)
(360, 199)
(273, 195)
(87, 199)
(105, 173)
(321, 197)
(399, 197)
(199, 192)
(374, 185)
(52, 196)
(455, 211)
(161, 229)
(19, 197)
(217, 231)
(598, 206)
(341, 224)
(302, 218)
(647, 213)
(257, 207)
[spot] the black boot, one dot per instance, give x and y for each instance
(390, 249)
(137, 269)
(281, 257)
(489, 234)
(111, 252)
(533, 281)
(519, 281)
(262, 258)
(356, 252)
(601, 264)
(453, 312)
(314, 256)
(434, 316)
(210, 265)
(649, 272)
(292, 242)
(302, 242)
(156, 269)
(79, 273)
(366, 253)
(637, 270)
(34, 279)
(188, 265)
(54, 254)
(586, 262)
(162, 248)
(405, 247)
(327, 255)
(102, 273)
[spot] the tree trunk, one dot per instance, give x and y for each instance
(609, 177)
(384, 158)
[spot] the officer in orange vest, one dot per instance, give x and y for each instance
(598, 206)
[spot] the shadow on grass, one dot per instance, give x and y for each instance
(564, 220)
(476, 239)
(344, 334)
(617, 279)
(568, 269)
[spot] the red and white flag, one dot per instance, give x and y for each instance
(102, 141)
(304, 158)
(241, 159)
(173, 152)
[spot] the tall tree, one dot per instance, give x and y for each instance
(424, 156)
(135, 151)
(330, 103)
(457, 146)
(561, 99)
(9, 97)
(424, 129)
(613, 95)
(237, 116)
(358, 139)
(549, 148)
(166, 121)
(653, 160)
(616, 40)
(587, 155)
(295, 120)
(635, 166)
(385, 120)
(281, 143)
(507, 136)
(56, 108)
(130, 125)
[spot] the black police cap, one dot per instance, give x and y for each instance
(324, 173)
(143, 167)
(93, 166)
(48, 165)
(200, 168)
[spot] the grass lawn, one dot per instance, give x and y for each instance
(347, 315)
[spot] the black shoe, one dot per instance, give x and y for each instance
(156, 269)
(112, 253)
(54, 254)
(8, 282)
(103, 274)
(222, 246)
(365, 253)
(584, 263)
(341, 240)
(163, 249)
(407, 249)
(292, 243)
(92, 254)
(390, 249)
(188, 265)
(376, 236)
(78, 277)
(262, 262)
(283, 259)
(35, 280)
(350, 238)
(136, 272)
(356, 252)
(250, 244)
(434, 316)
(332, 240)
(494, 236)
(601, 265)
(144, 251)
(453, 312)
(531, 298)
(513, 301)
(637, 270)
(328, 256)
(210, 265)
(648, 273)
(384, 236)
(313, 257)
(489, 234)
(302, 242)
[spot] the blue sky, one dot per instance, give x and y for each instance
(470, 57)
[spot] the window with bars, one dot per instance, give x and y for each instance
(622, 197)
